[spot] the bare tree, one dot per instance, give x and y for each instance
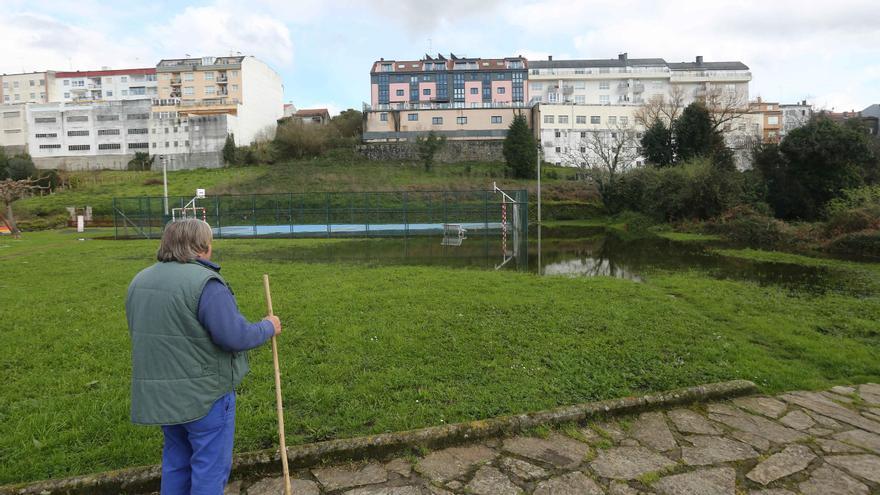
(724, 106)
(605, 154)
(11, 190)
(661, 107)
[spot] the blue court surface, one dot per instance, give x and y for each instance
(343, 229)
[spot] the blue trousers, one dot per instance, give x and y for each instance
(197, 456)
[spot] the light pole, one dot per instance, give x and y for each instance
(164, 182)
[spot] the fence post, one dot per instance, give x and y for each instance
(405, 214)
(115, 225)
(290, 212)
(327, 212)
(367, 213)
(445, 205)
(254, 211)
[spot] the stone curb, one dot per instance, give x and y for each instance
(146, 479)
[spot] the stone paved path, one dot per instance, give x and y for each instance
(809, 443)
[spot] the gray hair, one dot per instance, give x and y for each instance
(183, 240)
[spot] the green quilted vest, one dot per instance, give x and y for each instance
(177, 371)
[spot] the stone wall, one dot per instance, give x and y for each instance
(451, 152)
(74, 163)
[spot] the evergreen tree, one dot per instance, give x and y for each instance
(657, 144)
(229, 150)
(428, 146)
(4, 162)
(694, 133)
(520, 150)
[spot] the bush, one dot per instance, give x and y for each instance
(743, 224)
(865, 243)
(21, 167)
(297, 140)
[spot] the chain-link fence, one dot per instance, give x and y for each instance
(334, 214)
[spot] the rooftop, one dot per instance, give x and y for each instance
(311, 112)
(177, 62)
(106, 72)
(441, 62)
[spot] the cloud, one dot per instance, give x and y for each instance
(223, 29)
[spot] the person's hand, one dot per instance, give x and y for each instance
(275, 323)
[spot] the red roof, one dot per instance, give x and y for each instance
(110, 72)
(310, 112)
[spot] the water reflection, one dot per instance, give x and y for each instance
(589, 267)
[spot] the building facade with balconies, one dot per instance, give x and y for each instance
(245, 89)
(32, 87)
(408, 97)
(106, 85)
(87, 136)
(769, 116)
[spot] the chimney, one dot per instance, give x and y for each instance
(804, 103)
(622, 57)
(382, 59)
(550, 58)
(699, 60)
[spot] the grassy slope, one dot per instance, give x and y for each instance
(387, 348)
(98, 189)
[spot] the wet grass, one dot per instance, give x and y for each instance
(375, 349)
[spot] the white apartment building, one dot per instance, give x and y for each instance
(32, 87)
(189, 141)
(106, 85)
(795, 115)
(86, 136)
(620, 85)
(13, 128)
(244, 88)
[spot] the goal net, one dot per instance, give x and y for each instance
(178, 214)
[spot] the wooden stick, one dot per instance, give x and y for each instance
(278, 403)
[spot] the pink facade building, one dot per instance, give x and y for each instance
(453, 82)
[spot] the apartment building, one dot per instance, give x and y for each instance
(90, 135)
(189, 141)
(31, 87)
(769, 116)
(106, 85)
(438, 93)
(565, 129)
(794, 115)
(243, 88)
(13, 128)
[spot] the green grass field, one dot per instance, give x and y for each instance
(375, 349)
(98, 188)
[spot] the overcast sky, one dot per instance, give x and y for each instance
(825, 52)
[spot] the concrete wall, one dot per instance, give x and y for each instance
(199, 141)
(453, 151)
(262, 101)
(99, 162)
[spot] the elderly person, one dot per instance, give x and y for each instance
(189, 346)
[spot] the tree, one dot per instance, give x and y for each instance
(604, 155)
(694, 134)
(141, 161)
(657, 144)
(11, 190)
(349, 123)
(665, 108)
(520, 149)
(4, 162)
(724, 106)
(428, 146)
(229, 149)
(21, 167)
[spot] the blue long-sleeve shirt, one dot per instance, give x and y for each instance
(219, 315)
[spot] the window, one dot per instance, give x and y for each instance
(44, 120)
(383, 117)
(136, 146)
(105, 118)
(612, 120)
(604, 85)
(563, 119)
(209, 90)
(66, 83)
(583, 135)
(15, 84)
(604, 99)
(33, 96)
(154, 145)
(400, 92)
(110, 146)
(175, 144)
(580, 119)
(536, 86)
(496, 119)
(137, 131)
(773, 120)
(475, 91)
(50, 146)
(47, 135)
(595, 119)
(501, 90)
(108, 132)
(557, 134)
(138, 91)
(412, 117)
(77, 133)
(123, 79)
(436, 120)
(209, 76)
(426, 91)
(32, 82)
(558, 149)
(235, 87)
(137, 116)
(548, 119)
(77, 118)
(461, 120)
(187, 76)
(79, 147)
(8, 115)
(580, 85)
(624, 120)
(188, 91)
(124, 92)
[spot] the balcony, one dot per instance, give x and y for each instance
(222, 79)
(623, 85)
(175, 81)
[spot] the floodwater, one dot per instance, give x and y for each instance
(568, 252)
